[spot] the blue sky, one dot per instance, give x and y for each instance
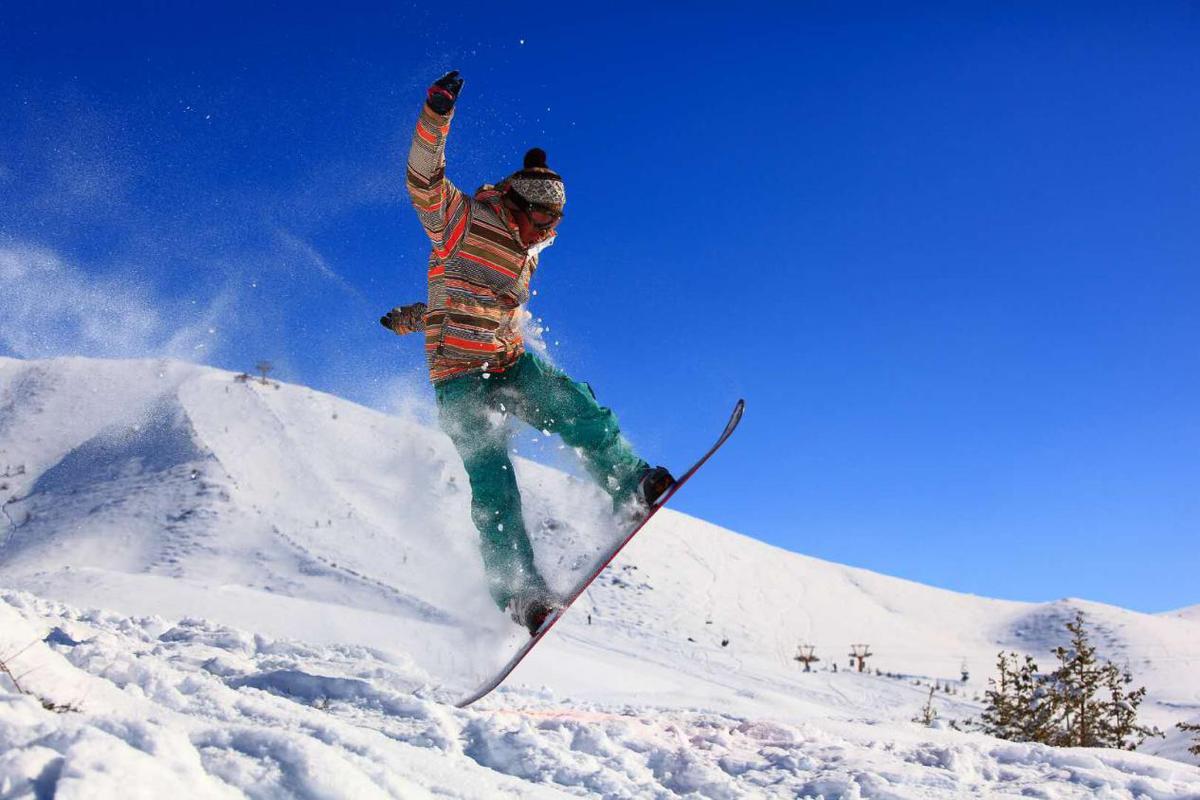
(948, 255)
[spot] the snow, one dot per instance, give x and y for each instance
(1191, 612)
(244, 590)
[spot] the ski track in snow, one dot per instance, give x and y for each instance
(294, 596)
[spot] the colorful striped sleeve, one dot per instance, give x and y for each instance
(438, 202)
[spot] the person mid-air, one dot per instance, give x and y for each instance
(485, 251)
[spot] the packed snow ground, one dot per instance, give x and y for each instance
(293, 594)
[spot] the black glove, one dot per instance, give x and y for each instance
(444, 92)
(405, 319)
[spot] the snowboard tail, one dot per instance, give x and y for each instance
(602, 562)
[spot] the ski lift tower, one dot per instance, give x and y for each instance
(859, 653)
(805, 655)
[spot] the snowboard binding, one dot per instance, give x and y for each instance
(531, 610)
(655, 482)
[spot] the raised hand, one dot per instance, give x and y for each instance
(444, 92)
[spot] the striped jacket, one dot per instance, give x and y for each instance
(478, 269)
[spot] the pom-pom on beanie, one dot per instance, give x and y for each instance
(537, 183)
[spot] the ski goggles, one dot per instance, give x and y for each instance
(543, 218)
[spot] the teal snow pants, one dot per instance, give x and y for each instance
(473, 411)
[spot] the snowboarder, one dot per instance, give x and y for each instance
(485, 250)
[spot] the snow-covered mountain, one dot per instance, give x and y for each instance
(1191, 612)
(292, 591)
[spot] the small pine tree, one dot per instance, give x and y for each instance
(1191, 727)
(928, 713)
(999, 717)
(1038, 709)
(1120, 724)
(1019, 706)
(1077, 684)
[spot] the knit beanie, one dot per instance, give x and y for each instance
(538, 184)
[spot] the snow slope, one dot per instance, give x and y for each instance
(293, 593)
(1191, 612)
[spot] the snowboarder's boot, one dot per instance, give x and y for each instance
(654, 483)
(531, 610)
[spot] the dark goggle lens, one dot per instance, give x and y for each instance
(542, 218)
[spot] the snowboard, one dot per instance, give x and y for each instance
(602, 561)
